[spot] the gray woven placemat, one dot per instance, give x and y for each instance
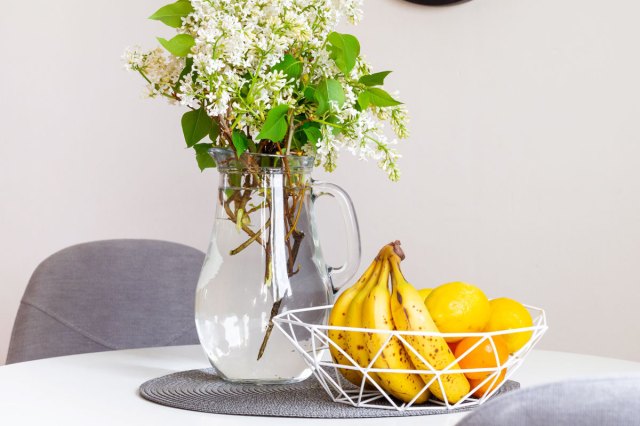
(202, 390)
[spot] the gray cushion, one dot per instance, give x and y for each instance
(592, 402)
(106, 295)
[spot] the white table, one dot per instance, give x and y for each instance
(101, 389)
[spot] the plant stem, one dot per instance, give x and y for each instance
(299, 210)
(291, 132)
(238, 205)
(337, 126)
(297, 240)
(253, 238)
(234, 218)
(275, 310)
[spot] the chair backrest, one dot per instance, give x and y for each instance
(106, 295)
(589, 402)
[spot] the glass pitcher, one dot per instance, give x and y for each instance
(264, 258)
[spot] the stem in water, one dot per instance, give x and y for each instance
(275, 310)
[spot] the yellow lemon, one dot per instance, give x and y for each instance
(458, 308)
(424, 292)
(507, 314)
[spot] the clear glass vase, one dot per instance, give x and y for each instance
(264, 258)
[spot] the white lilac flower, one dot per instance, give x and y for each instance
(231, 75)
(133, 58)
(327, 149)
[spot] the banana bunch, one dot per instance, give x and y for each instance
(370, 304)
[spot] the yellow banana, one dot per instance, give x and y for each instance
(355, 340)
(410, 314)
(376, 314)
(338, 317)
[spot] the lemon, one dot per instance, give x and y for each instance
(424, 292)
(458, 308)
(507, 314)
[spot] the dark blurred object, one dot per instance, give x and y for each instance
(437, 2)
(584, 402)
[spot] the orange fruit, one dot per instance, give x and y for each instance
(507, 314)
(488, 386)
(458, 307)
(482, 356)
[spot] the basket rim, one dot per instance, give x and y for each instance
(289, 317)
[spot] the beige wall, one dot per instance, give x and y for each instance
(521, 175)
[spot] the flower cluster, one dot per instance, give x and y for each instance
(273, 76)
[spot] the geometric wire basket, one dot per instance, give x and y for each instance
(310, 339)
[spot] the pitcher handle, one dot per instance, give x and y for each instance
(340, 275)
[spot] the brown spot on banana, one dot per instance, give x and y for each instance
(406, 314)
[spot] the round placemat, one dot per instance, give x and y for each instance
(202, 390)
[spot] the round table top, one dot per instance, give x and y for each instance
(102, 388)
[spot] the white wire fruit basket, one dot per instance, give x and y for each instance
(307, 331)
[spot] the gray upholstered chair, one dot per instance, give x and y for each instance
(589, 402)
(107, 295)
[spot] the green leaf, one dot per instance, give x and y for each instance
(328, 90)
(310, 94)
(290, 66)
(204, 159)
(195, 126)
(376, 79)
(308, 124)
(344, 49)
(336, 130)
(313, 134)
(275, 126)
(240, 142)
(380, 98)
(188, 65)
(308, 132)
(173, 13)
(364, 100)
(180, 45)
(215, 131)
